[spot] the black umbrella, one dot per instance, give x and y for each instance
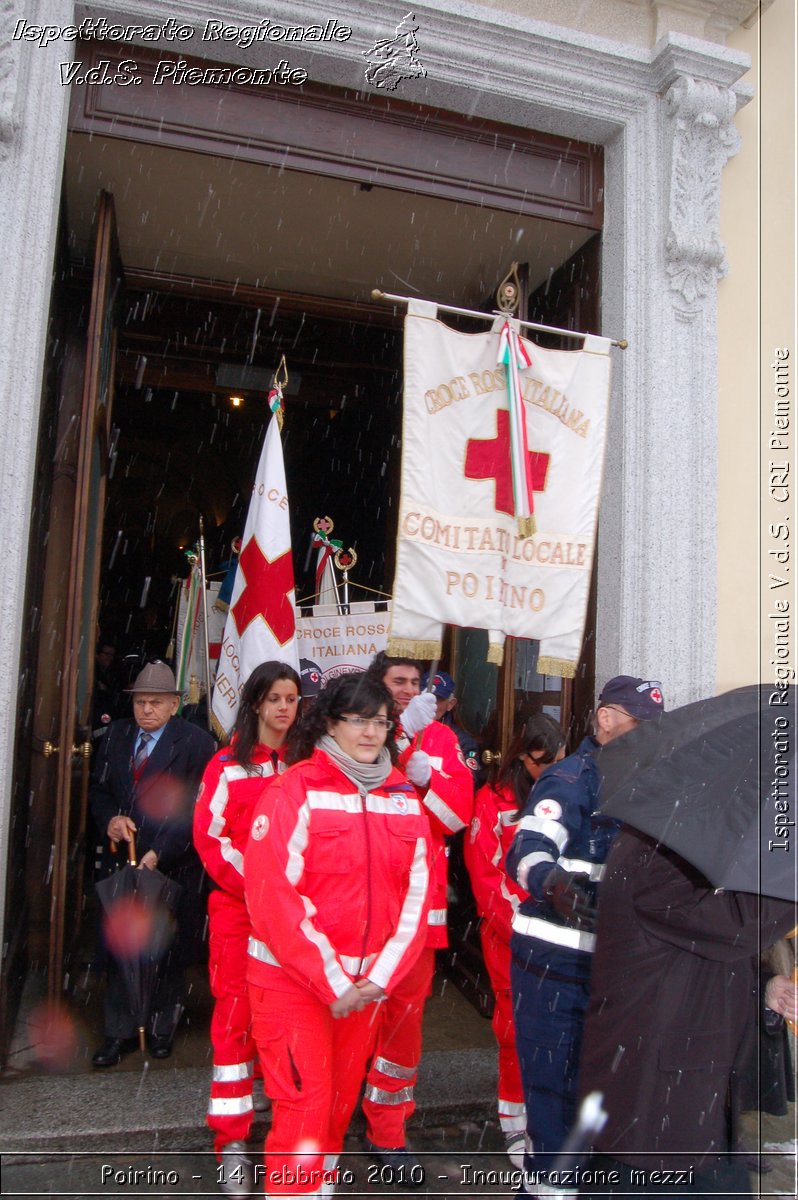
(715, 781)
(139, 929)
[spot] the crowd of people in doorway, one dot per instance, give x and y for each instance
(322, 828)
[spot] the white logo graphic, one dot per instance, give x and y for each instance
(394, 59)
(260, 827)
(549, 809)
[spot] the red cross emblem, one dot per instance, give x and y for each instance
(266, 592)
(546, 809)
(656, 695)
(489, 458)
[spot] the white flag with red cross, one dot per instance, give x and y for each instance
(502, 458)
(261, 621)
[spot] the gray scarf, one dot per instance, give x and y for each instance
(365, 776)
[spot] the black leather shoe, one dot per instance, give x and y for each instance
(399, 1167)
(112, 1050)
(160, 1047)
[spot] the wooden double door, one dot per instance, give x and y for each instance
(54, 737)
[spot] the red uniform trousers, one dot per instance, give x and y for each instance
(313, 1068)
(230, 1108)
(496, 952)
(389, 1100)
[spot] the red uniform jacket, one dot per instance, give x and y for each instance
(449, 803)
(223, 813)
(336, 883)
(486, 845)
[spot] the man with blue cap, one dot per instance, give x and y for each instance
(443, 688)
(557, 857)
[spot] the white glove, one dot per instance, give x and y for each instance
(418, 768)
(419, 713)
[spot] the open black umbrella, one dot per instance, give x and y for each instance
(138, 904)
(715, 781)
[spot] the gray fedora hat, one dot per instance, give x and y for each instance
(155, 677)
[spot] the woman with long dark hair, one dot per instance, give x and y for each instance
(535, 745)
(337, 877)
(233, 781)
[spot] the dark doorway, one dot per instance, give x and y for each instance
(190, 419)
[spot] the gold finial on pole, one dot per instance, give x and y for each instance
(508, 293)
(279, 381)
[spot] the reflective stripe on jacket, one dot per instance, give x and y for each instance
(333, 877)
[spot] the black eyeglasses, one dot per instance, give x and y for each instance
(362, 722)
(541, 761)
(622, 711)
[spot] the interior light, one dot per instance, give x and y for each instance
(236, 401)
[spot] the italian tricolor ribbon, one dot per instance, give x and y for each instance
(326, 547)
(514, 355)
(275, 402)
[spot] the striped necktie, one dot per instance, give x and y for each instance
(142, 754)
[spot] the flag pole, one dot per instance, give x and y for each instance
(206, 645)
(376, 294)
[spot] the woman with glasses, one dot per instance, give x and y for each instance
(336, 878)
(535, 745)
(233, 780)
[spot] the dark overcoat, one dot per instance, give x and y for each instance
(161, 802)
(674, 990)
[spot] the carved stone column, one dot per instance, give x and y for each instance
(8, 76)
(704, 138)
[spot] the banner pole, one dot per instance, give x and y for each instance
(376, 294)
(206, 646)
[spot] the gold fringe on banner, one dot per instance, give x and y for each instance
(495, 653)
(193, 690)
(219, 732)
(526, 526)
(401, 648)
(557, 666)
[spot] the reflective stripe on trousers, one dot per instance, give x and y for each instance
(392, 1069)
(378, 1096)
(229, 1106)
(232, 1072)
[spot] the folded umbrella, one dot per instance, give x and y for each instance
(139, 927)
(715, 782)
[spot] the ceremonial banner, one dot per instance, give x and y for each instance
(500, 438)
(261, 622)
(339, 644)
(191, 633)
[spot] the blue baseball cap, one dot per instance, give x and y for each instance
(442, 684)
(310, 677)
(641, 698)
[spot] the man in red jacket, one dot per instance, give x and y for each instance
(432, 760)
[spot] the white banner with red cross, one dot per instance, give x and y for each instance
(261, 622)
(502, 458)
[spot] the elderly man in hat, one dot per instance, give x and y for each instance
(557, 857)
(144, 783)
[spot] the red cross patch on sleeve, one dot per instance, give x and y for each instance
(549, 809)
